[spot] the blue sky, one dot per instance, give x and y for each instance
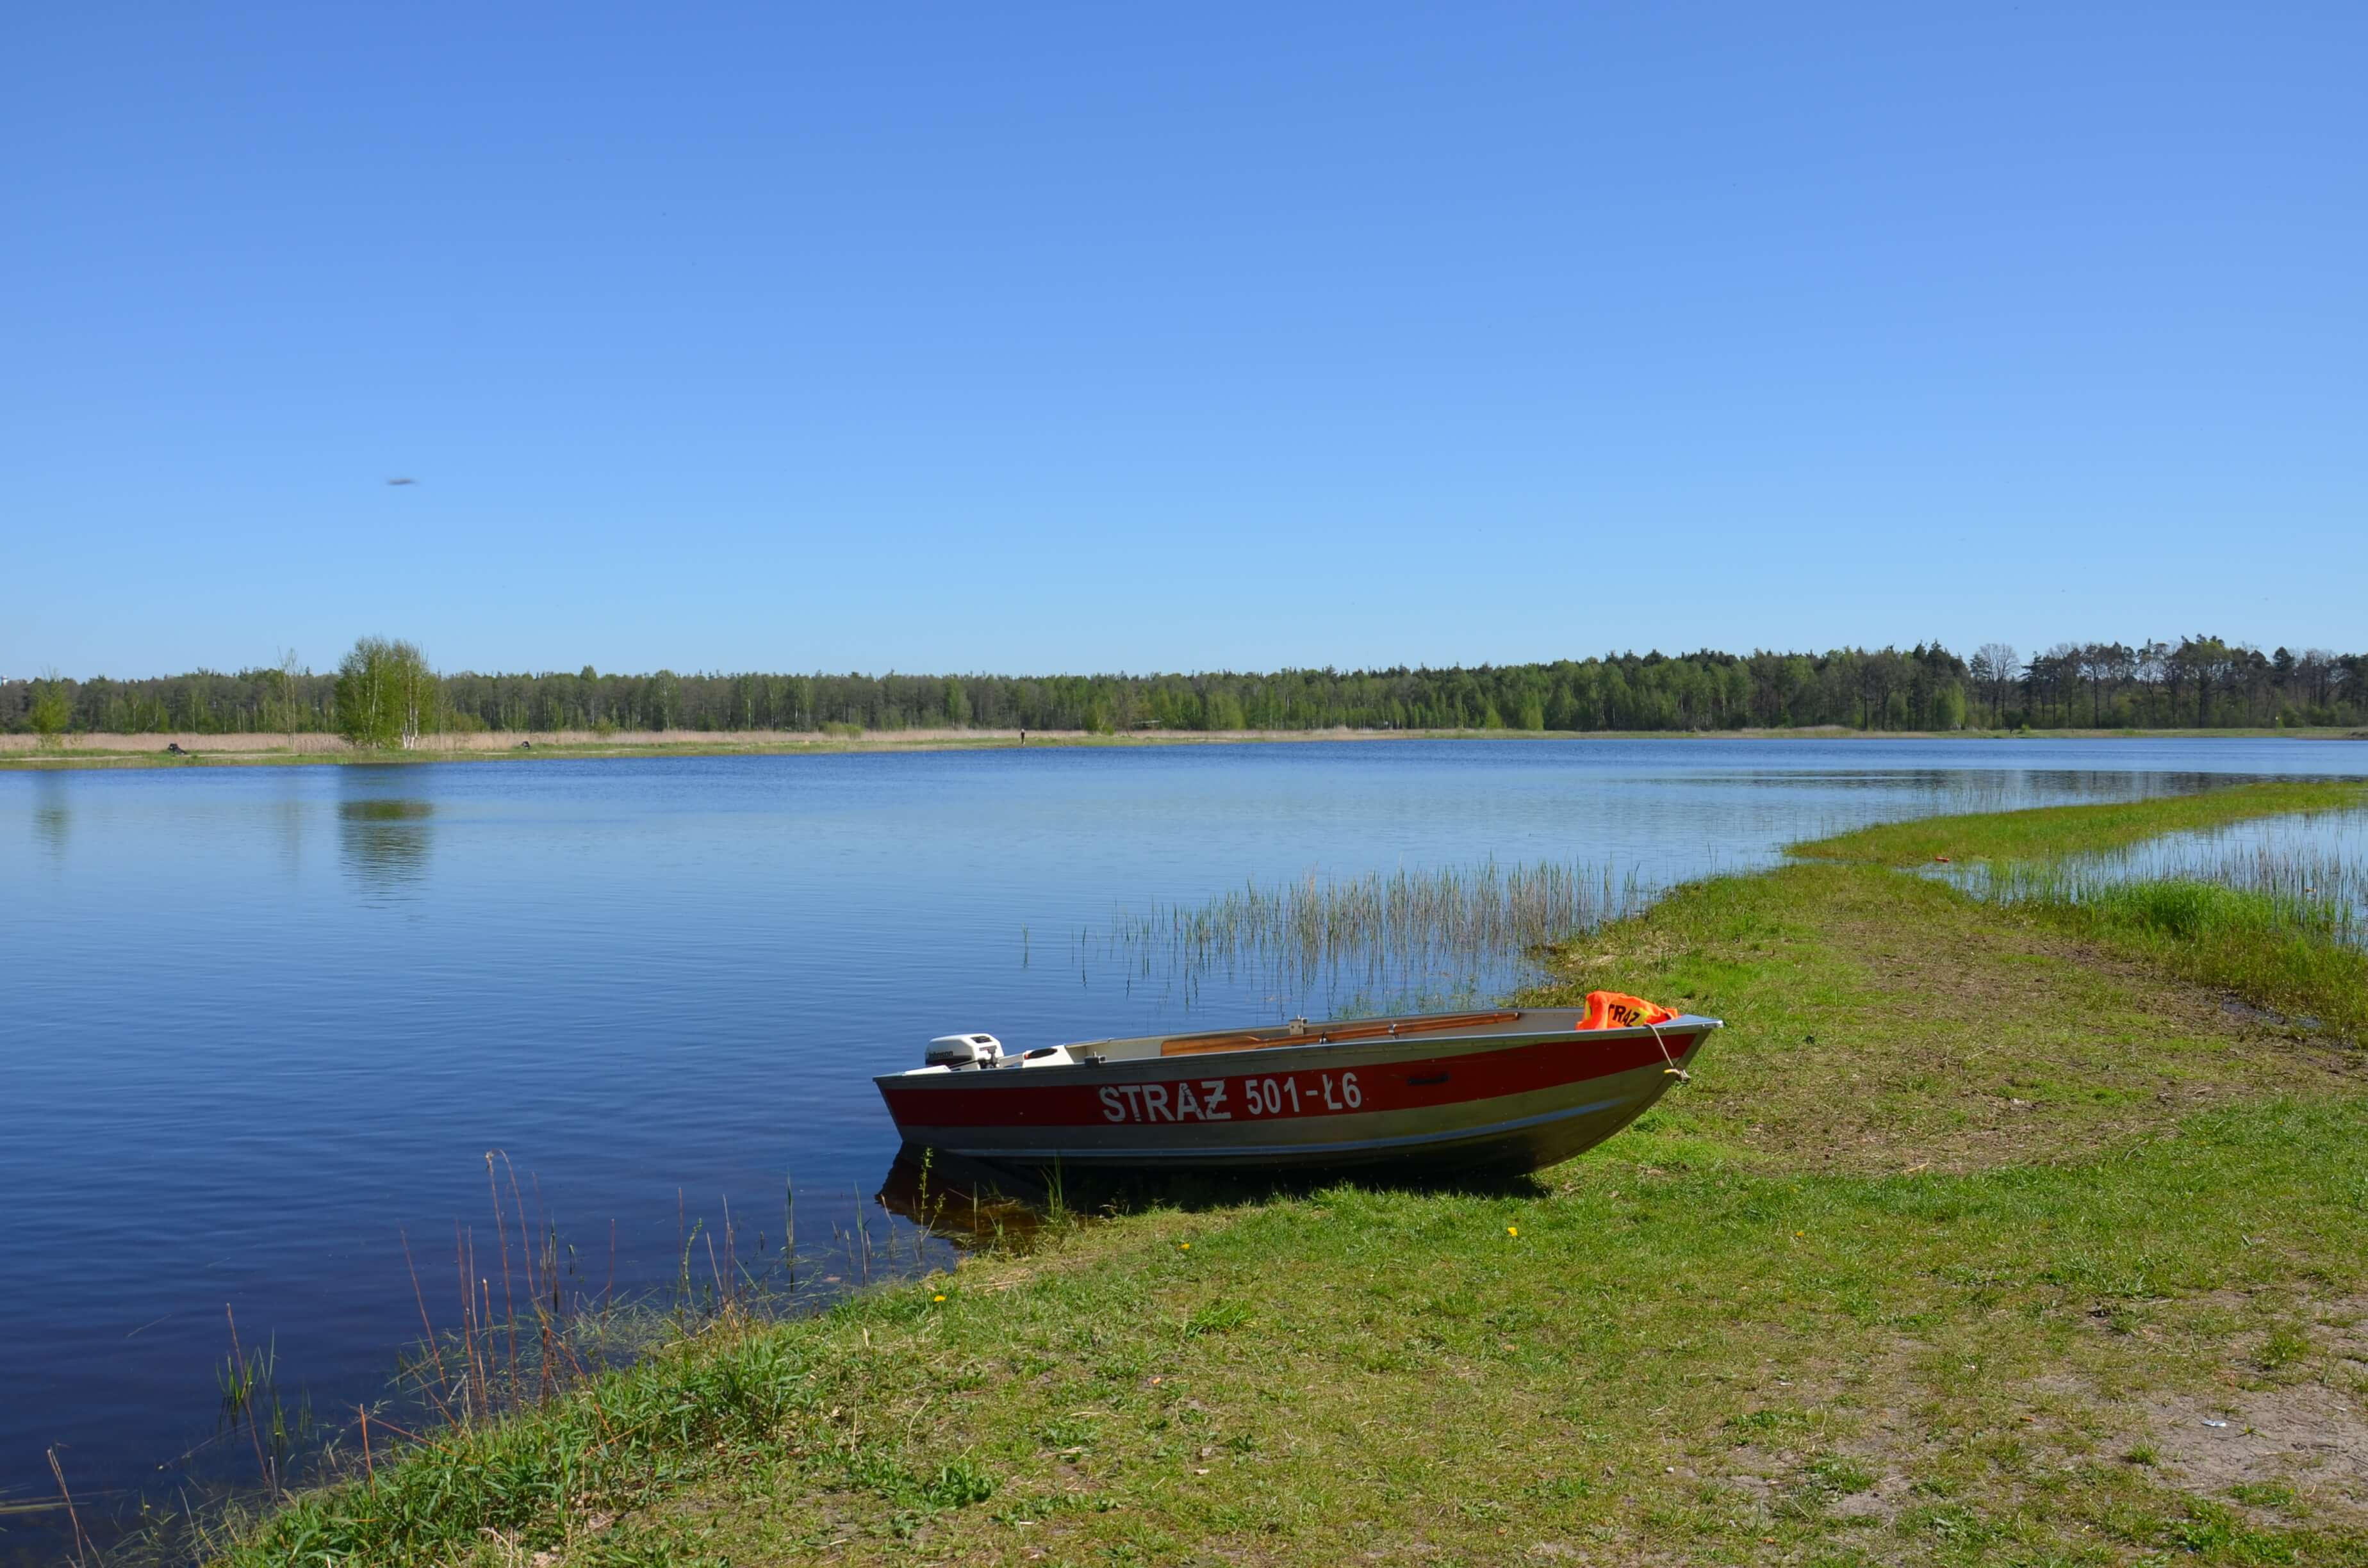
(1028, 338)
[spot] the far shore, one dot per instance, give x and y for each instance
(87, 751)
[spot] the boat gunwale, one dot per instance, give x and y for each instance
(1085, 1072)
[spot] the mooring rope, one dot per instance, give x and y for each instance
(1672, 1070)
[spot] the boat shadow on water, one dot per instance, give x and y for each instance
(978, 1206)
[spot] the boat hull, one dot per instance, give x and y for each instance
(1517, 1100)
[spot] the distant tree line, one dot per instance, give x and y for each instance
(385, 694)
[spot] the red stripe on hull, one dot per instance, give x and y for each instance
(1178, 1096)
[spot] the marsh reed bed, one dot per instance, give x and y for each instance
(1370, 942)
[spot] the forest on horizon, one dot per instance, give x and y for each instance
(2194, 683)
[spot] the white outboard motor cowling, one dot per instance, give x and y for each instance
(964, 1051)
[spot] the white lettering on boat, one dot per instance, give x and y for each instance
(1260, 1098)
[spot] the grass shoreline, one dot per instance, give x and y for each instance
(1981, 1235)
(17, 752)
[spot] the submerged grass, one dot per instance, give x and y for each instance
(1978, 1237)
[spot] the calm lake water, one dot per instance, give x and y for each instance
(259, 1025)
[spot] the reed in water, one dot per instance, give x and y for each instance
(1385, 930)
(2310, 875)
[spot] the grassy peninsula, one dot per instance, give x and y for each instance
(1986, 1233)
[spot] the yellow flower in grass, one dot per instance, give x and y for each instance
(1512, 1230)
(937, 1298)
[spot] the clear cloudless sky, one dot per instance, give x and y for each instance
(1028, 338)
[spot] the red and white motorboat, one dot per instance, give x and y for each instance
(1518, 1089)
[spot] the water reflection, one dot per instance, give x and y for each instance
(965, 1202)
(1966, 790)
(53, 818)
(383, 840)
(287, 819)
(973, 1206)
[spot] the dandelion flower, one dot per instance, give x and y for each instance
(1512, 1230)
(1186, 1245)
(937, 1298)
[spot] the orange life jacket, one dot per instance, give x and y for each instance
(1612, 1010)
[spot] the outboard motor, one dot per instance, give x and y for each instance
(964, 1051)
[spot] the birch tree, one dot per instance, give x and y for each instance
(52, 708)
(289, 670)
(386, 694)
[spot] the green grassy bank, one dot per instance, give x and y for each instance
(1980, 1236)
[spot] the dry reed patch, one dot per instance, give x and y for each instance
(143, 745)
(108, 750)
(314, 741)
